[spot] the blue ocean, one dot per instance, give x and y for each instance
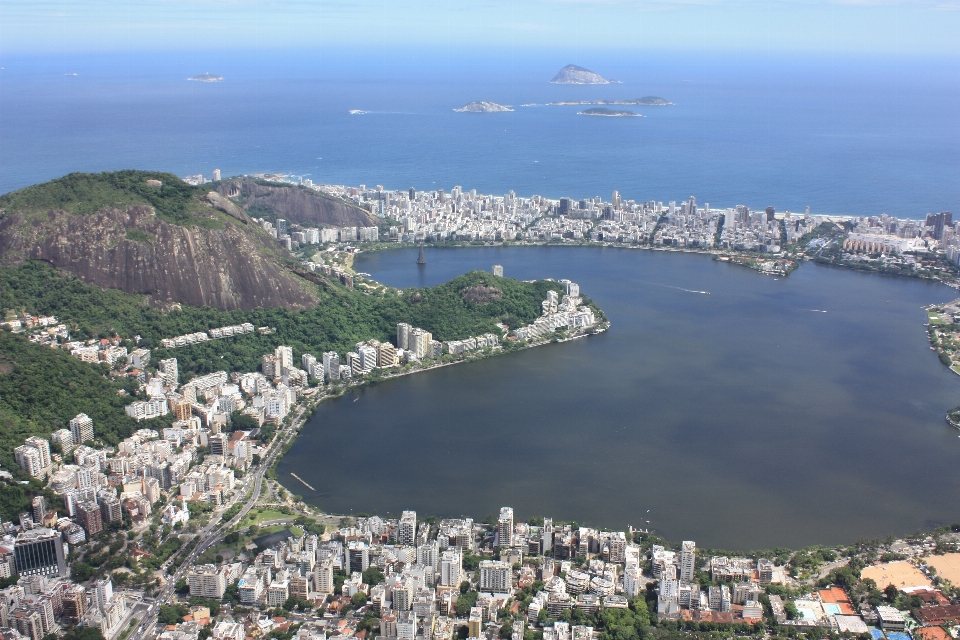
(859, 136)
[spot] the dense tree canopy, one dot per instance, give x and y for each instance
(342, 318)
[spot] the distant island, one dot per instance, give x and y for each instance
(601, 111)
(206, 77)
(646, 101)
(572, 74)
(482, 106)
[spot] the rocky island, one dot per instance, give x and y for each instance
(206, 77)
(572, 74)
(613, 113)
(482, 106)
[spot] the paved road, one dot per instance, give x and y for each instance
(215, 529)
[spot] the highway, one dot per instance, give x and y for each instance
(215, 530)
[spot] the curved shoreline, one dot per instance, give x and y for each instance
(491, 245)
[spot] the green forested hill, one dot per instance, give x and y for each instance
(41, 389)
(87, 193)
(340, 320)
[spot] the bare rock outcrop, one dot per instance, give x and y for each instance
(295, 204)
(224, 263)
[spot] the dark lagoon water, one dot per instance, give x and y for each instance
(746, 418)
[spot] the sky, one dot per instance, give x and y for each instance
(892, 27)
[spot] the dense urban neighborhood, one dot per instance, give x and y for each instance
(175, 525)
(183, 531)
(773, 240)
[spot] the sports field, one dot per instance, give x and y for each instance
(902, 575)
(947, 566)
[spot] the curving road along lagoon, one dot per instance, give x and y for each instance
(769, 412)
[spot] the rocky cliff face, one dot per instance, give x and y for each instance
(221, 262)
(294, 204)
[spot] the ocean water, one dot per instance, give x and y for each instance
(850, 136)
(743, 419)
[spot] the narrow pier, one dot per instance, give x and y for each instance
(303, 481)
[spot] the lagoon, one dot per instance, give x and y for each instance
(771, 412)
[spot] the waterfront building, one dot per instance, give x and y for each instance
(688, 553)
(419, 342)
(407, 529)
(505, 527)
(765, 570)
(368, 357)
(403, 335)
(331, 365)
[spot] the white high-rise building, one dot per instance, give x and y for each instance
(43, 447)
(208, 581)
(285, 356)
(29, 460)
(547, 535)
(419, 342)
(313, 368)
(498, 270)
(64, 438)
(428, 555)
(169, 371)
(403, 336)
(632, 579)
(406, 625)
(368, 357)
(323, 577)
(688, 553)
(407, 530)
(81, 429)
(331, 365)
(505, 527)
(451, 563)
(103, 593)
(495, 576)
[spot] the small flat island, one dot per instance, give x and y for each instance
(206, 77)
(482, 106)
(646, 101)
(610, 113)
